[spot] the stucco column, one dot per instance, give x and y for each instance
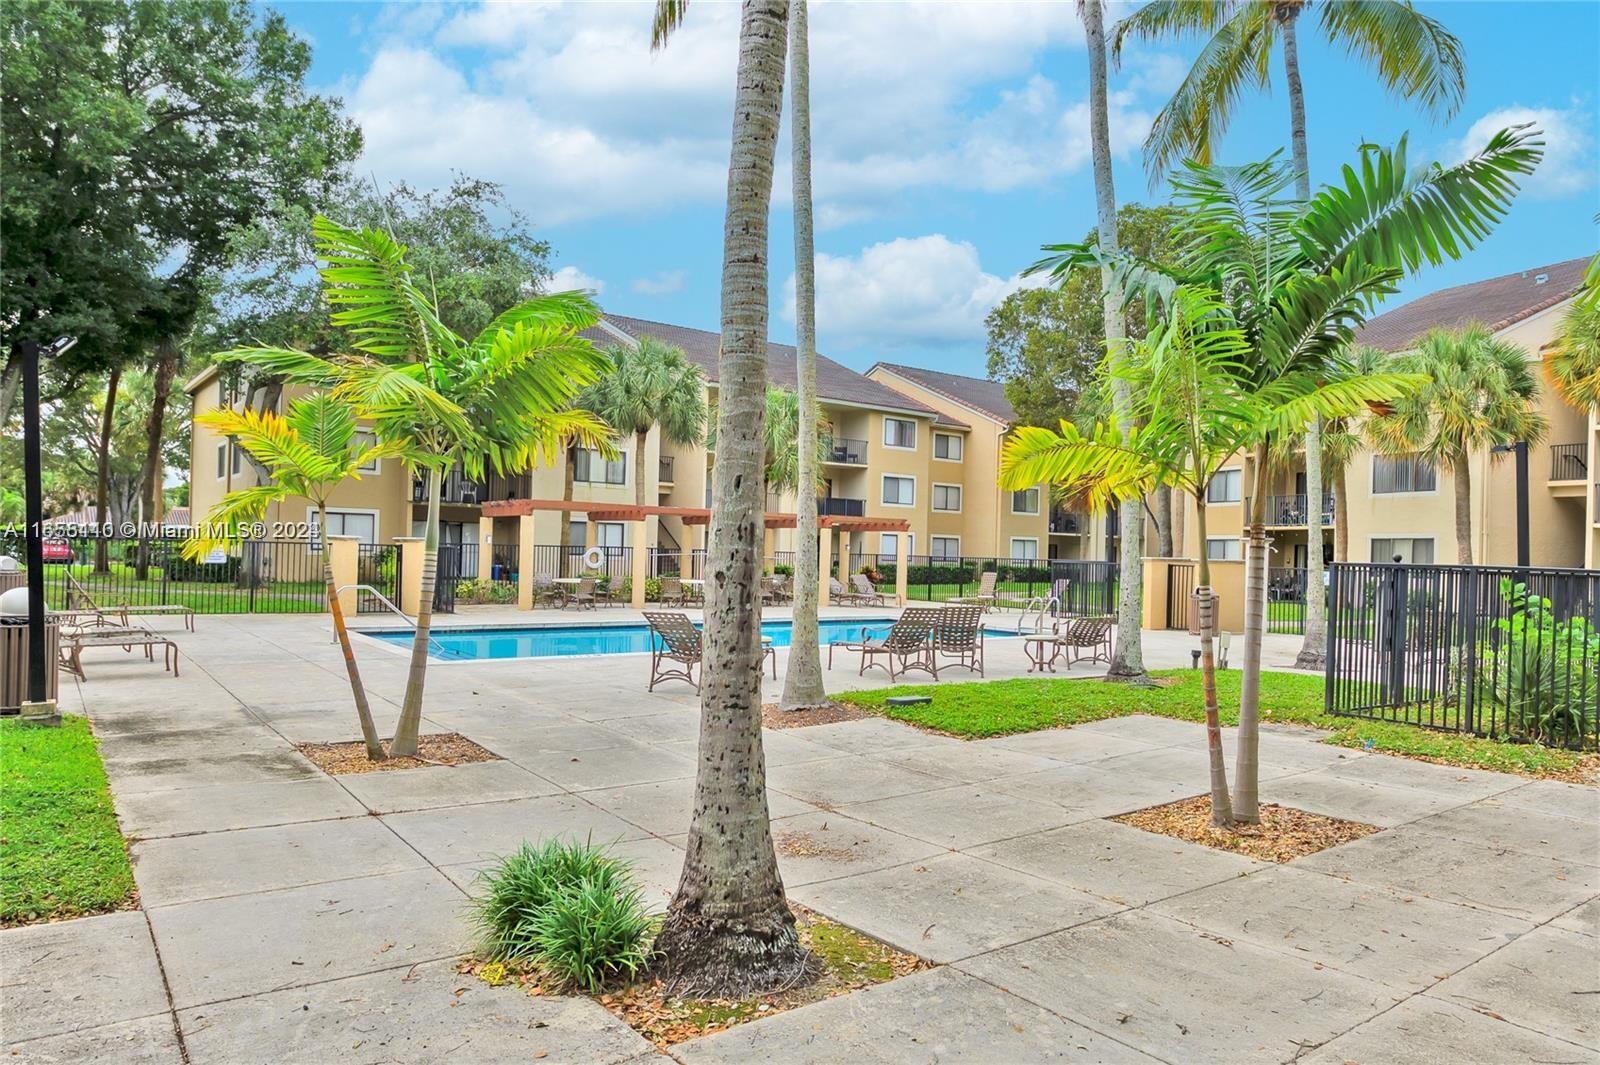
(900, 560)
(411, 551)
(486, 549)
(766, 550)
(525, 562)
(844, 559)
(686, 552)
(344, 556)
(824, 563)
(641, 568)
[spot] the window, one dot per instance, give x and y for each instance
(947, 497)
(362, 524)
(946, 548)
(1225, 486)
(947, 446)
(238, 456)
(899, 432)
(1025, 501)
(899, 491)
(589, 467)
(1416, 550)
(609, 534)
(222, 461)
(1025, 547)
(362, 440)
(1403, 473)
(1223, 549)
(889, 544)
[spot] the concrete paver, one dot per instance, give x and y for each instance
(1548, 980)
(960, 816)
(1422, 1031)
(454, 834)
(220, 807)
(827, 845)
(69, 975)
(146, 1041)
(399, 790)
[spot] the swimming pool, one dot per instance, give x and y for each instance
(564, 641)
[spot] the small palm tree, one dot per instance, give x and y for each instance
(1478, 391)
(501, 400)
(1575, 361)
(652, 384)
(782, 449)
(307, 453)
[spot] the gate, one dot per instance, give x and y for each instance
(446, 575)
(1180, 592)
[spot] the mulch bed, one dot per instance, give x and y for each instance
(851, 961)
(772, 717)
(1283, 835)
(443, 748)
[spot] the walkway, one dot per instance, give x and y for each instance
(289, 916)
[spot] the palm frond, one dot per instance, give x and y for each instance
(225, 523)
(367, 279)
(1415, 56)
(1161, 19)
(669, 15)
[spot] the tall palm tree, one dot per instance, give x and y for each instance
(652, 384)
(1574, 363)
(802, 682)
(1478, 391)
(1198, 406)
(1298, 278)
(1415, 58)
(307, 453)
(1127, 659)
(783, 429)
(500, 400)
(728, 930)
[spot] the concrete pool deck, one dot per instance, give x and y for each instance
(293, 917)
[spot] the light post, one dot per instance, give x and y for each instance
(38, 706)
(1520, 450)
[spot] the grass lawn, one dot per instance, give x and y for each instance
(61, 853)
(122, 586)
(999, 708)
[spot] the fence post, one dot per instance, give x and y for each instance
(1330, 668)
(1469, 665)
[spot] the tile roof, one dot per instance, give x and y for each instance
(979, 393)
(1498, 303)
(834, 381)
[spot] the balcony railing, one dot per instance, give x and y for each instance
(664, 469)
(1569, 462)
(848, 452)
(457, 488)
(839, 506)
(508, 486)
(1292, 510)
(1071, 524)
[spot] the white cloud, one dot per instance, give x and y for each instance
(1569, 163)
(928, 290)
(568, 278)
(664, 283)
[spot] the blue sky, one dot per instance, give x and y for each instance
(950, 142)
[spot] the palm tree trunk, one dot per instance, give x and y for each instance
(102, 481)
(1127, 660)
(1164, 521)
(369, 731)
(1461, 469)
(1206, 605)
(404, 744)
(152, 472)
(1314, 648)
(1341, 516)
(1246, 765)
(802, 684)
(1288, 14)
(638, 467)
(728, 931)
(565, 530)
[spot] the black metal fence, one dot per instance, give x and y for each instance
(377, 569)
(1081, 586)
(1493, 651)
(1286, 600)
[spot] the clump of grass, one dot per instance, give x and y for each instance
(567, 910)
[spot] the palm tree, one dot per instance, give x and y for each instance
(728, 930)
(1298, 278)
(501, 400)
(1127, 659)
(307, 453)
(1574, 362)
(1414, 56)
(1478, 391)
(802, 682)
(652, 384)
(1198, 405)
(784, 460)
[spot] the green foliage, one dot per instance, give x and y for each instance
(61, 853)
(651, 384)
(1537, 672)
(476, 591)
(568, 910)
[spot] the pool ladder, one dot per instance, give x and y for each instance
(433, 645)
(1045, 606)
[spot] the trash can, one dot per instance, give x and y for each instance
(14, 661)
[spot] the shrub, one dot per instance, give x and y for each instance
(476, 591)
(782, 569)
(1540, 678)
(569, 910)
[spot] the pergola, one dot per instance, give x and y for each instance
(638, 513)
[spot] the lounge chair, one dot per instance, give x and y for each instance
(78, 597)
(905, 647)
(985, 595)
(671, 593)
(584, 595)
(676, 648)
(865, 592)
(74, 643)
(837, 593)
(958, 634)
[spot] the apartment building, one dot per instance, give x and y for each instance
(1403, 506)
(899, 451)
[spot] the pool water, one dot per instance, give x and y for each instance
(565, 641)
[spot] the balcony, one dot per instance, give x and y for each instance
(1068, 524)
(457, 488)
(848, 452)
(1569, 462)
(664, 470)
(508, 486)
(839, 506)
(1290, 511)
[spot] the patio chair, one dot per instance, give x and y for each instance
(865, 592)
(1091, 634)
(985, 595)
(769, 590)
(905, 647)
(546, 590)
(958, 634)
(584, 594)
(672, 593)
(676, 648)
(74, 643)
(839, 594)
(783, 589)
(78, 597)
